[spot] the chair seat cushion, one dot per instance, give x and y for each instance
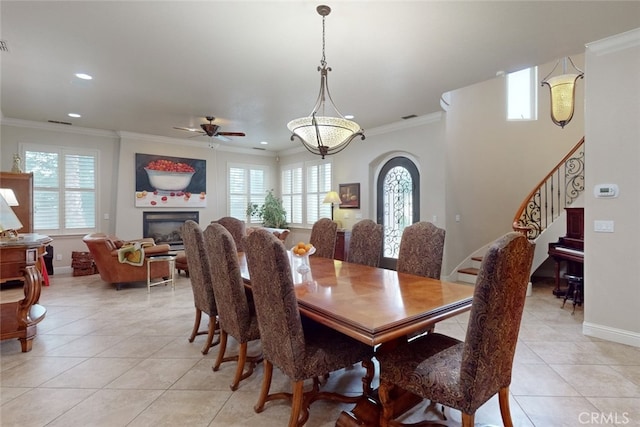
(428, 366)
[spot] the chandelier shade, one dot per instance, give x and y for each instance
(319, 133)
(563, 93)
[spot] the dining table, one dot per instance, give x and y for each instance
(376, 306)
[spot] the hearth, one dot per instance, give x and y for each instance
(164, 227)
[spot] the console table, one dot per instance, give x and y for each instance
(20, 261)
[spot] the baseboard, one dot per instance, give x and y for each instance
(611, 334)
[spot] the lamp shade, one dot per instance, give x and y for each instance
(563, 90)
(9, 196)
(8, 219)
(332, 197)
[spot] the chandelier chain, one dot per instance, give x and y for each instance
(323, 61)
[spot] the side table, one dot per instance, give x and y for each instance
(171, 259)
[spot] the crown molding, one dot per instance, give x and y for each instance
(615, 43)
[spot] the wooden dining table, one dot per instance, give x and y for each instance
(374, 305)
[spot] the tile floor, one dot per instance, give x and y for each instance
(121, 358)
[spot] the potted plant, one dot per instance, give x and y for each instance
(271, 213)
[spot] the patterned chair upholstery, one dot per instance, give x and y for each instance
(236, 316)
(421, 250)
(464, 375)
(365, 245)
(200, 276)
(236, 227)
(301, 350)
(323, 237)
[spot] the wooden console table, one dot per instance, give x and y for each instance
(20, 260)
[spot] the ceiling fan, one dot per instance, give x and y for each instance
(212, 130)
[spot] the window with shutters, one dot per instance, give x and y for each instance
(64, 188)
(247, 184)
(304, 187)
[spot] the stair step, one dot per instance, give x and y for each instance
(468, 275)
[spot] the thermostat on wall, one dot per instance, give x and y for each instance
(606, 190)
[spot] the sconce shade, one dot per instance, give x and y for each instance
(332, 197)
(9, 196)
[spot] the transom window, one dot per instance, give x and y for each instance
(522, 94)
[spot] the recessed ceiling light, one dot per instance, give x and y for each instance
(74, 115)
(264, 143)
(349, 117)
(83, 76)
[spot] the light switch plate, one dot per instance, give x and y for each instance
(602, 226)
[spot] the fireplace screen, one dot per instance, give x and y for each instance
(164, 227)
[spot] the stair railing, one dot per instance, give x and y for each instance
(556, 191)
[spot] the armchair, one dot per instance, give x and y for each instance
(104, 250)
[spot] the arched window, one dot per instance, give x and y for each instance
(398, 197)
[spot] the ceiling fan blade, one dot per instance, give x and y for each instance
(188, 129)
(231, 133)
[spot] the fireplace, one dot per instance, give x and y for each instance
(164, 227)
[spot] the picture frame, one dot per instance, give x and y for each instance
(349, 195)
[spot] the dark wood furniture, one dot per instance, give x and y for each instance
(570, 248)
(342, 244)
(18, 261)
(374, 306)
(22, 186)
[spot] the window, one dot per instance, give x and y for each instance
(522, 94)
(247, 184)
(64, 188)
(304, 187)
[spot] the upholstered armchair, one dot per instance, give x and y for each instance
(365, 246)
(300, 353)
(105, 251)
(236, 228)
(236, 316)
(464, 375)
(201, 282)
(421, 250)
(323, 237)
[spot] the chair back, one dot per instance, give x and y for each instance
(494, 321)
(365, 246)
(323, 237)
(421, 250)
(233, 309)
(281, 332)
(236, 227)
(199, 268)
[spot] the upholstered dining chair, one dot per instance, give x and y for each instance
(236, 316)
(323, 237)
(365, 245)
(301, 350)
(421, 250)
(200, 277)
(236, 227)
(464, 375)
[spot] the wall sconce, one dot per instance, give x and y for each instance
(563, 92)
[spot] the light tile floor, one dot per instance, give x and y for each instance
(121, 358)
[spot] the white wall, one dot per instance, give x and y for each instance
(611, 280)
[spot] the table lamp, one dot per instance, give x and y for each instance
(333, 198)
(9, 222)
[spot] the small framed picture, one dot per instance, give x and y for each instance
(349, 196)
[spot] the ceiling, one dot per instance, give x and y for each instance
(253, 64)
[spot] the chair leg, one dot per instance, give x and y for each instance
(296, 405)
(384, 394)
(505, 412)
(213, 323)
(221, 350)
(266, 385)
(467, 420)
(242, 359)
(196, 325)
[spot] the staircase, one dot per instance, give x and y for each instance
(544, 205)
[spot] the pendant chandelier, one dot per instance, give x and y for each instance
(563, 92)
(319, 133)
